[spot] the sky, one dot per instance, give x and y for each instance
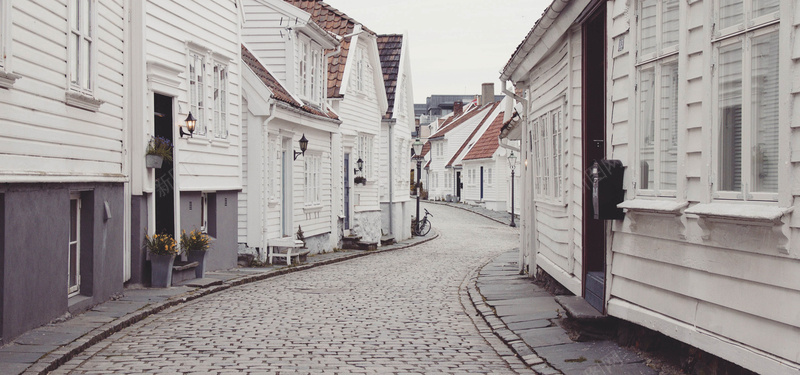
(455, 46)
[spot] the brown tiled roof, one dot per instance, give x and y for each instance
(454, 122)
(425, 149)
(390, 47)
(488, 143)
(278, 91)
(336, 22)
(491, 106)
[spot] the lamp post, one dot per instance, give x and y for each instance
(417, 151)
(512, 162)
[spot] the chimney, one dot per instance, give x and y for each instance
(458, 108)
(487, 93)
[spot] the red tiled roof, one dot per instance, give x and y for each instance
(492, 107)
(425, 149)
(278, 91)
(454, 122)
(336, 22)
(390, 47)
(488, 143)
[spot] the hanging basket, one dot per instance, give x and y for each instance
(153, 161)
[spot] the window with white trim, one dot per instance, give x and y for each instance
(5, 22)
(657, 100)
(548, 150)
(360, 69)
(74, 252)
(197, 72)
(81, 46)
(747, 118)
(204, 212)
(365, 153)
(313, 182)
(220, 92)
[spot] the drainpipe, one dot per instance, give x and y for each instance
(524, 121)
(391, 123)
(264, 180)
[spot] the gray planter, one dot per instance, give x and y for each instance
(199, 257)
(161, 270)
(153, 161)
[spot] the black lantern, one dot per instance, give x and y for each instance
(360, 164)
(191, 122)
(303, 147)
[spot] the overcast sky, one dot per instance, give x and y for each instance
(455, 45)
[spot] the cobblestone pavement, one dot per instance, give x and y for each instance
(404, 311)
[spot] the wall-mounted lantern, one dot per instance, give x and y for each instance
(191, 122)
(360, 165)
(303, 147)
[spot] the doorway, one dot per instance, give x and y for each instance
(594, 146)
(458, 186)
(165, 178)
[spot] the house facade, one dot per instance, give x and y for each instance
(63, 162)
(179, 67)
(285, 189)
(693, 99)
(356, 93)
(396, 128)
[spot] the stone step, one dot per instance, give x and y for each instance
(182, 271)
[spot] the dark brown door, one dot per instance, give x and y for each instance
(165, 179)
(594, 146)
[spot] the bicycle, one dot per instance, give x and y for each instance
(424, 225)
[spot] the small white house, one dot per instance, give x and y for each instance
(286, 189)
(695, 99)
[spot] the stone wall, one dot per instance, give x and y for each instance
(367, 225)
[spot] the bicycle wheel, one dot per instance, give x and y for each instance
(424, 228)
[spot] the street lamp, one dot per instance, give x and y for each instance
(512, 162)
(417, 154)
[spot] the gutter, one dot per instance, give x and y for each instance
(533, 37)
(503, 142)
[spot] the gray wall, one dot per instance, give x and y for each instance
(222, 225)
(140, 270)
(35, 235)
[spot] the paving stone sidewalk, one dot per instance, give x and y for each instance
(501, 217)
(525, 317)
(45, 348)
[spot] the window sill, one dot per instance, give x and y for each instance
(653, 206)
(78, 100)
(221, 143)
(7, 79)
(747, 213)
(312, 208)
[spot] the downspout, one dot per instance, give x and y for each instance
(524, 121)
(264, 179)
(391, 175)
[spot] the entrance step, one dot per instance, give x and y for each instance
(387, 240)
(350, 242)
(367, 245)
(595, 289)
(182, 271)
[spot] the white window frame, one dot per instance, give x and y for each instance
(365, 152)
(5, 35)
(204, 212)
(549, 148)
(743, 34)
(219, 92)
(82, 75)
(312, 172)
(73, 290)
(198, 99)
(360, 69)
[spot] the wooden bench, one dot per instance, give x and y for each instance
(285, 247)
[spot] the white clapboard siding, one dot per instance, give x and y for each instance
(266, 35)
(41, 137)
(243, 195)
(206, 162)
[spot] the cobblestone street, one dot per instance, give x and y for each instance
(396, 312)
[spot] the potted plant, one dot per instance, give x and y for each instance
(162, 251)
(158, 150)
(196, 245)
(360, 180)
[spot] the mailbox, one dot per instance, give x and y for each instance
(607, 189)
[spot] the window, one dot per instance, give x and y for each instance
(74, 249)
(313, 182)
(747, 119)
(204, 212)
(5, 40)
(220, 100)
(81, 45)
(360, 69)
(657, 102)
(365, 153)
(548, 150)
(309, 70)
(197, 71)
(489, 176)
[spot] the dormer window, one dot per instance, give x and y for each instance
(309, 69)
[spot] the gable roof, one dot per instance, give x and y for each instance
(390, 47)
(455, 157)
(278, 91)
(336, 22)
(453, 122)
(488, 143)
(425, 149)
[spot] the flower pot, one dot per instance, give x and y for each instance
(153, 161)
(161, 270)
(199, 257)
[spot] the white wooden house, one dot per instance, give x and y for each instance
(185, 58)
(286, 190)
(63, 164)
(396, 129)
(694, 99)
(356, 93)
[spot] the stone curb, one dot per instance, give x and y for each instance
(65, 353)
(467, 209)
(512, 340)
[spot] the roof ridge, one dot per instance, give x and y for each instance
(488, 139)
(480, 124)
